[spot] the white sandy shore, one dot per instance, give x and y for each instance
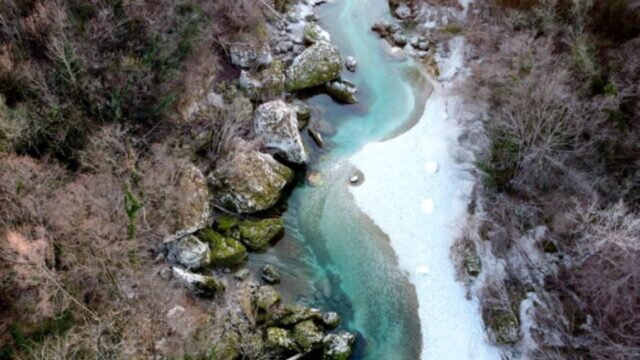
(416, 193)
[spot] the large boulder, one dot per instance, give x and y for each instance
(225, 251)
(307, 335)
(250, 181)
(192, 212)
(313, 33)
(189, 252)
(202, 284)
(342, 90)
(246, 55)
(276, 122)
(258, 234)
(338, 346)
(319, 63)
(254, 234)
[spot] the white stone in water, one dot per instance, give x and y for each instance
(428, 206)
(354, 178)
(431, 167)
(422, 270)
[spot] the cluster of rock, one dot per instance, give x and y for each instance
(395, 35)
(295, 329)
(249, 180)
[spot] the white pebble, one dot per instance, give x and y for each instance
(428, 206)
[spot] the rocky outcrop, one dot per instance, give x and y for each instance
(193, 211)
(277, 124)
(338, 346)
(225, 251)
(250, 181)
(204, 285)
(342, 91)
(313, 33)
(189, 252)
(248, 55)
(403, 11)
(319, 63)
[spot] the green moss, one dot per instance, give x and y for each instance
(318, 64)
(225, 251)
(307, 335)
(452, 30)
(257, 235)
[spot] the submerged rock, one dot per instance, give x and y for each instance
(193, 211)
(313, 33)
(189, 252)
(204, 285)
(270, 275)
(277, 124)
(319, 63)
(225, 251)
(242, 274)
(342, 91)
(250, 181)
(338, 346)
(316, 136)
(351, 63)
(303, 113)
(307, 335)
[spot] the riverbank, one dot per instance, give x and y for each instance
(419, 205)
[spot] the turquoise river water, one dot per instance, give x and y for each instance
(333, 257)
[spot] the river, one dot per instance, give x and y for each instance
(335, 256)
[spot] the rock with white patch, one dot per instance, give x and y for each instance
(276, 122)
(189, 252)
(319, 63)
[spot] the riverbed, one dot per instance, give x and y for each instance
(378, 252)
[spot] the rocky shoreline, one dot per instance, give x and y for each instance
(230, 214)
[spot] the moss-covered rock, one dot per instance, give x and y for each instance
(319, 63)
(257, 235)
(250, 181)
(313, 33)
(226, 348)
(281, 339)
(267, 297)
(338, 346)
(277, 124)
(307, 335)
(292, 314)
(342, 91)
(225, 251)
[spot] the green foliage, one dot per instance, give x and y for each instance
(131, 205)
(24, 340)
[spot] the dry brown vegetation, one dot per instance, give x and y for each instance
(560, 79)
(92, 99)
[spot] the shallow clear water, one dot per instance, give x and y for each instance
(334, 257)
